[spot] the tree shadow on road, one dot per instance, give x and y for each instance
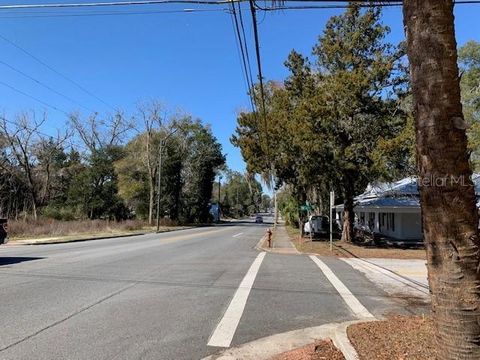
(15, 260)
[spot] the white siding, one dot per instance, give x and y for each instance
(405, 226)
(391, 227)
(411, 226)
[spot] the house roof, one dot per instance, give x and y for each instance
(390, 202)
(401, 194)
(406, 186)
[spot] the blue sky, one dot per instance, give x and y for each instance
(187, 60)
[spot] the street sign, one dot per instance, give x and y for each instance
(332, 204)
(306, 207)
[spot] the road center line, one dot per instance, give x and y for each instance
(352, 302)
(223, 334)
(238, 234)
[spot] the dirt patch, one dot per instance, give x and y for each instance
(347, 250)
(397, 338)
(320, 350)
(412, 301)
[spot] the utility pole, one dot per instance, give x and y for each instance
(159, 180)
(332, 204)
(219, 187)
(275, 214)
(159, 183)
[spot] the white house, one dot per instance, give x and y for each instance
(392, 209)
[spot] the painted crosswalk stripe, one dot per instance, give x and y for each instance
(355, 306)
(237, 234)
(223, 334)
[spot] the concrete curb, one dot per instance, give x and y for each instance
(342, 342)
(260, 243)
(52, 242)
(267, 347)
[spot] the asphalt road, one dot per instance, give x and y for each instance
(162, 296)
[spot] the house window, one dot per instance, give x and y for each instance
(390, 221)
(371, 220)
(362, 218)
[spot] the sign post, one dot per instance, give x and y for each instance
(332, 204)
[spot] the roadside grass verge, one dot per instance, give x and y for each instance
(348, 250)
(51, 228)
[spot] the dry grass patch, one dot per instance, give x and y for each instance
(50, 228)
(397, 338)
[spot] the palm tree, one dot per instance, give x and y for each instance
(448, 202)
(449, 214)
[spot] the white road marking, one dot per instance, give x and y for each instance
(223, 334)
(357, 308)
(237, 234)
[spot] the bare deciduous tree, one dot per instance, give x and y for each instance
(23, 138)
(153, 117)
(97, 133)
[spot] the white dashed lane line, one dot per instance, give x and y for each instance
(238, 234)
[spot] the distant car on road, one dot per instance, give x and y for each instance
(3, 231)
(259, 219)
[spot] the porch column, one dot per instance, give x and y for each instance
(377, 222)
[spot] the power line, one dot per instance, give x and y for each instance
(115, 3)
(33, 98)
(243, 60)
(198, 2)
(360, 3)
(325, 7)
(244, 73)
(49, 14)
(44, 85)
(260, 75)
(55, 71)
(245, 41)
(257, 51)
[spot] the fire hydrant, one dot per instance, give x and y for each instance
(269, 237)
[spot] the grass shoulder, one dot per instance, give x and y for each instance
(50, 230)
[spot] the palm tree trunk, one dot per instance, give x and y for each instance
(447, 194)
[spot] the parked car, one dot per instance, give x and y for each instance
(317, 225)
(3, 231)
(259, 219)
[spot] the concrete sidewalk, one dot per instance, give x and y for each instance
(281, 241)
(395, 276)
